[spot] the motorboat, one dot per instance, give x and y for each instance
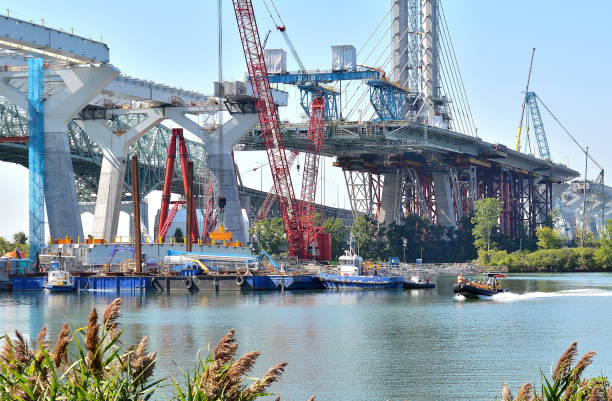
(351, 275)
(487, 287)
(58, 279)
(419, 279)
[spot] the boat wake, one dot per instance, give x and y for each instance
(585, 292)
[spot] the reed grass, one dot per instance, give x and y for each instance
(565, 382)
(89, 363)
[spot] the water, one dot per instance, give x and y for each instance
(363, 345)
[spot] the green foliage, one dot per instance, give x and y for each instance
(178, 235)
(335, 227)
(544, 260)
(370, 238)
(486, 221)
(270, 235)
(548, 238)
(20, 242)
(603, 255)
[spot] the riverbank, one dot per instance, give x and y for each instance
(562, 260)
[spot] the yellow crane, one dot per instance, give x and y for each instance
(518, 135)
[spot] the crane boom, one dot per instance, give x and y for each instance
(518, 135)
(269, 123)
(314, 142)
(283, 31)
(538, 126)
(266, 205)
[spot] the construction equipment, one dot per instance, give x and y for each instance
(163, 214)
(314, 142)
(266, 206)
(163, 230)
(538, 126)
(517, 147)
(283, 30)
(269, 123)
(210, 218)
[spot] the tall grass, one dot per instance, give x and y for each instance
(565, 382)
(98, 368)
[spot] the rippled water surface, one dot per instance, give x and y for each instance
(363, 345)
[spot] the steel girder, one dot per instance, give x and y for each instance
(365, 192)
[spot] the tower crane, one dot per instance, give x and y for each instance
(268, 120)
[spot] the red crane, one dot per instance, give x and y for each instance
(314, 142)
(266, 206)
(270, 128)
(165, 205)
(210, 219)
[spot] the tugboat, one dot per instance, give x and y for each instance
(351, 275)
(58, 279)
(418, 280)
(475, 289)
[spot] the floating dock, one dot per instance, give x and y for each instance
(222, 282)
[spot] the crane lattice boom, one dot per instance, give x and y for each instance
(268, 121)
(538, 126)
(266, 205)
(314, 141)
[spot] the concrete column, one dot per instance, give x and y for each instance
(444, 199)
(233, 130)
(430, 57)
(391, 191)
(115, 149)
(400, 41)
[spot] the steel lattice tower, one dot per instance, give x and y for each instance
(36, 151)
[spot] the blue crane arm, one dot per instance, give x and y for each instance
(538, 126)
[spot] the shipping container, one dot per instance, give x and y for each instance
(344, 58)
(276, 61)
(324, 247)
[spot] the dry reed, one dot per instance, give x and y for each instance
(60, 352)
(564, 364)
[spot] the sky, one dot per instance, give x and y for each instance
(176, 44)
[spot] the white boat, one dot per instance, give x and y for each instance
(58, 279)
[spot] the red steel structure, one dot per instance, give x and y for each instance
(163, 230)
(268, 121)
(177, 133)
(266, 205)
(314, 142)
(210, 220)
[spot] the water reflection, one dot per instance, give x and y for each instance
(359, 345)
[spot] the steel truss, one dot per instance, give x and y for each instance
(365, 192)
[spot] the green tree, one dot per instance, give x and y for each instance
(370, 238)
(20, 238)
(178, 235)
(338, 231)
(603, 255)
(549, 238)
(270, 235)
(486, 221)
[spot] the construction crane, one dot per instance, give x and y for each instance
(517, 147)
(266, 205)
(283, 30)
(163, 230)
(538, 126)
(314, 142)
(269, 123)
(177, 133)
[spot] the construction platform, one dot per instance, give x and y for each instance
(223, 282)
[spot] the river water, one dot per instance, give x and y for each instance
(362, 345)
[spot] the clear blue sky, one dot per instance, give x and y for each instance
(176, 44)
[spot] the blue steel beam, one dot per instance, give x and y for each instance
(388, 100)
(309, 92)
(36, 152)
(327, 76)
